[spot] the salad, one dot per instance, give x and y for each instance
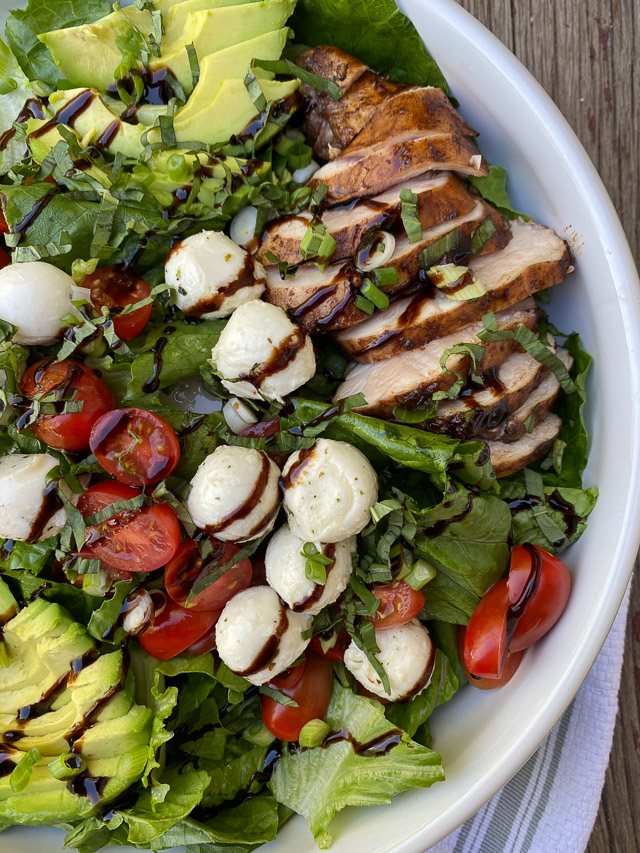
(289, 446)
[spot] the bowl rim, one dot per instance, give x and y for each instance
(624, 273)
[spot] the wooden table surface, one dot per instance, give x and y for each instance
(586, 54)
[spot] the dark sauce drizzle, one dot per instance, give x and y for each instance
(270, 648)
(152, 385)
(516, 611)
(440, 526)
(249, 504)
(281, 357)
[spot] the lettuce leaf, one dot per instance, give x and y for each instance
(25, 25)
(412, 716)
(493, 188)
(10, 105)
(188, 349)
(319, 782)
(470, 554)
(375, 31)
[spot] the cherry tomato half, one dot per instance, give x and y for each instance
(5, 260)
(549, 601)
(141, 540)
(67, 381)
(336, 652)
(173, 629)
(309, 685)
(187, 567)
(511, 664)
(399, 603)
(532, 599)
(204, 645)
(116, 288)
(137, 447)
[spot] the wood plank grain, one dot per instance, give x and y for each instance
(586, 54)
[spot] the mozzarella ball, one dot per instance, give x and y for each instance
(329, 491)
(407, 655)
(258, 637)
(261, 343)
(33, 297)
(234, 494)
(212, 275)
(27, 512)
(285, 567)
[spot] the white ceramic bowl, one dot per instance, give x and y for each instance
(485, 737)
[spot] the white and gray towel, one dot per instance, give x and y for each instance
(550, 806)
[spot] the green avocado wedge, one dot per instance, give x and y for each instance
(64, 705)
(228, 113)
(90, 54)
(94, 124)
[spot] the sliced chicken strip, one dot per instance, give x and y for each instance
(534, 259)
(415, 112)
(324, 300)
(372, 170)
(441, 196)
(506, 388)
(333, 124)
(534, 410)
(410, 379)
(509, 457)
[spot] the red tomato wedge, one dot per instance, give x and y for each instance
(511, 664)
(116, 288)
(309, 685)
(68, 382)
(141, 540)
(337, 650)
(5, 260)
(399, 603)
(187, 567)
(516, 611)
(173, 629)
(549, 600)
(136, 447)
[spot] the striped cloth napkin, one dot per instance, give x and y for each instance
(550, 806)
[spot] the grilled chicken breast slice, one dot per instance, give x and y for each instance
(410, 379)
(372, 170)
(412, 112)
(506, 388)
(441, 196)
(533, 411)
(324, 300)
(509, 457)
(332, 125)
(535, 258)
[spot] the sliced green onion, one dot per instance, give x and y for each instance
(313, 733)
(446, 276)
(409, 214)
(67, 766)
(385, 276)
(364, 304)
(374, 294)
(419, 574)
(8, 85)
(178, 169)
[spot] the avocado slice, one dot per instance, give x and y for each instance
(59, 694)
(89, 54)
(217, 119)
(92, 121)
(216, 29)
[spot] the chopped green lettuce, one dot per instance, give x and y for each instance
(319, 782)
